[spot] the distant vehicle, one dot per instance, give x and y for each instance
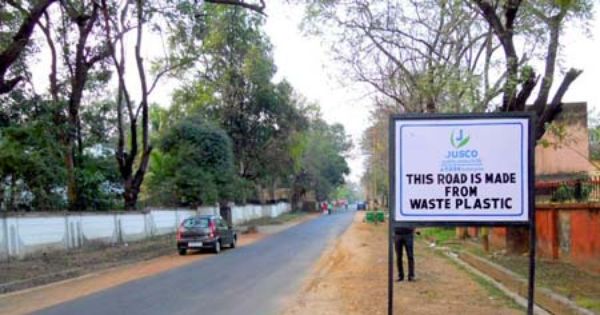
(205, 231)
(361, 206)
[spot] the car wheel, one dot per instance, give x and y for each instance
(217, 248)
(182, 251)
(233, 242)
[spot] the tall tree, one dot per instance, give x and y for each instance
(169, 20)
(74, 61)
(550, 18)
(322, 166)
(234, 88)
(453, 55)
(22, 17)
(419, 56)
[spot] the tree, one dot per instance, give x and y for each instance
(521, 79)
(31, 175)
(78, 67)
(194, 165)
(234, 88)
(171, 21)
(23, 19)
(16, 16)
(427, 53)
(323, 163)
(374, 145)
(418, 56)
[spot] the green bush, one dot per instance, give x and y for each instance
(194, 165)
(563, 193)
(580, 192)
(583, 192)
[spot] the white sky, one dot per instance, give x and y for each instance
(305, 62)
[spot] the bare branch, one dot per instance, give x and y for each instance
(555, 107)
(19, 41)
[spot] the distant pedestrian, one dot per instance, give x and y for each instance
(404, 238)
(324, 207)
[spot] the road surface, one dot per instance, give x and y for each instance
(255, 279)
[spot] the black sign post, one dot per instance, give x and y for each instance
(455, 176)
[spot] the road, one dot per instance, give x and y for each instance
(255, 279)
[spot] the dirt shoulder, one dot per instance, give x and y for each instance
(155, 256)
(351, 278)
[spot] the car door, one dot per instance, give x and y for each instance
(224, 231)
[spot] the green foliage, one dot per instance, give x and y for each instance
(583, 193)
(194, 165)
(235, 90)
(30, 157)
(98, 184)
(438, 235)
(233, 105)
(323, 164)
(348, 191)
(563, 193)
(579, 191)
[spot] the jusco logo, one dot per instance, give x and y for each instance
(458, 139)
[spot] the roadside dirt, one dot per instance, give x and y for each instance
(30, 300)
(60, 265)
(351, 278)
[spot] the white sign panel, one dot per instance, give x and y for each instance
(462, 170)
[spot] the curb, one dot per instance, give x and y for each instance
(511, 294)
(547, 299)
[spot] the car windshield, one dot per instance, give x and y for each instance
(195, 222)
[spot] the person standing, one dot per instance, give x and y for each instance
(404, 238)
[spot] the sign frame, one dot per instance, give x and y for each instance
(529, 181)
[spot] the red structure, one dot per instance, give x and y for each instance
(568, 232)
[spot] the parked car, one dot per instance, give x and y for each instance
(205, 231)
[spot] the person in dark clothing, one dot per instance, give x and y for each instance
(404, 237)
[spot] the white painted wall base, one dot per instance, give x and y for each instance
(27, 234)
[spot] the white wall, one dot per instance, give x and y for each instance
(38, 232)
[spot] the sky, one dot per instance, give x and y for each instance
(306, 63)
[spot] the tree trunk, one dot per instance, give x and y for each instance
(19, 41)
(131, 194)
(225, 212)
(10, 205)
(71, 180)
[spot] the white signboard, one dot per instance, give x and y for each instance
(462, 170)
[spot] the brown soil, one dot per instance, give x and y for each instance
(59, 265)
(351, 278)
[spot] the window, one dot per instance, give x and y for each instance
(195, 222)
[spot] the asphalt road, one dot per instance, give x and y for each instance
(254, 279)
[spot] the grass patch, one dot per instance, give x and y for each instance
(494, 292)
(577, 285)
(281, 219)
(490, 288)
(439, 235)
(592, 304)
